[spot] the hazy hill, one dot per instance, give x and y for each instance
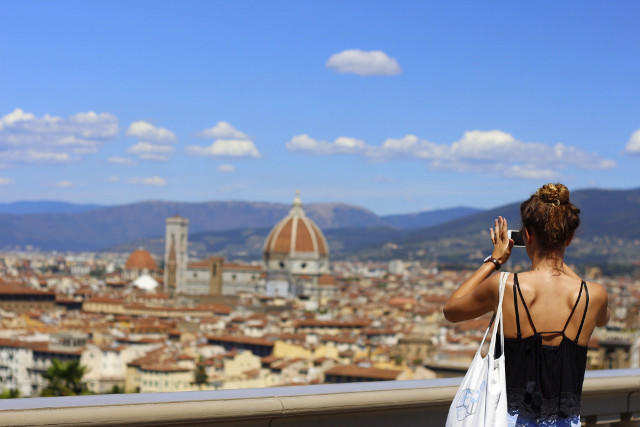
(44, 206)
(609, 232)
(428, 218)
(603, 213)
(89, 227)
(109, 226)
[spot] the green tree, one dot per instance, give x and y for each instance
(65, 378)
(10, 393)
(116, 390)
(200, 374)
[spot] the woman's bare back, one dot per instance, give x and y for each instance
(550, 298)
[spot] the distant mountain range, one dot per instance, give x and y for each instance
(44, 206)
(609, 235)
(427, 218)
(64, 226)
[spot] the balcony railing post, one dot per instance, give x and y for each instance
(625, 421)
(590, 420)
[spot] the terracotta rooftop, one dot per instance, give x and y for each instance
(7, 288)
(240, 340)
(332, 323)
(236, 266)
(105, 300)
(140, 259)
(360, 372)
(326, 280)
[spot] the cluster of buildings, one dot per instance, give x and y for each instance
(138, 325)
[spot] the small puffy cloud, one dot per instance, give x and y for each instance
(364, 63)
(226, 148)
(27, 138)
(223, 130)
(341, 145)
(148, 132)
(229, 142)
(152, 180)
(6, 181)
(226, 169)
(633, 145)
(121, 160)
(64, 184)
(151, 151)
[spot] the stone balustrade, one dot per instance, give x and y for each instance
(610, 397)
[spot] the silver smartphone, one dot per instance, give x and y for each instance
(518, 238)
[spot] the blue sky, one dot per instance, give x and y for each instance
(397, 107)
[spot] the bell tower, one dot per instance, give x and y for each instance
(175, 254)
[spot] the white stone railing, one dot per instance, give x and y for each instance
(608, 397)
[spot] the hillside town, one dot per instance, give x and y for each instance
(139, 324)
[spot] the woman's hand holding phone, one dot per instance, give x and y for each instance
(502, 244)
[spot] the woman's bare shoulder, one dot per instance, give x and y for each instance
(597, 293)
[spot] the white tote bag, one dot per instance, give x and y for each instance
(481, 399)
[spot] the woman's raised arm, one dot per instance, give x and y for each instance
(479, 292)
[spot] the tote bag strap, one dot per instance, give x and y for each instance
(503, 281)
(499, 320)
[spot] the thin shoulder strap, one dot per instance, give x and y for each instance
(515, 305)
(574, 309)
(586, 306)
(517, 285)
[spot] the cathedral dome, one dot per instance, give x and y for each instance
(140, 259)
(296, 234)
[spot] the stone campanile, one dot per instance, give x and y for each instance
(175, 254)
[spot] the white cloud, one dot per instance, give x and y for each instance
(223, 130)
(121, 160)
(341, 145)
(364, 63)
(491, 151)
(6, 181)
(633, 145)
(412, 146)
(150, 151)
(226, 148)
(517, 171)
(229, 142)
(148, 132)
(226, 169)
(114, 178)
(9, 157)
(51, 139)
(64, 184)
(152, 180)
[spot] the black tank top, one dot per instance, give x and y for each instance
(544, 382)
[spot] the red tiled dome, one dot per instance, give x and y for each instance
(296, 233)
(140, 259)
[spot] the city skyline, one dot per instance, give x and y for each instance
(397, 108)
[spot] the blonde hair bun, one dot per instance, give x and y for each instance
(550, 216)
(553, 193)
